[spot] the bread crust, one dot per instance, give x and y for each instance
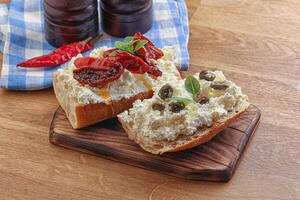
(84, 115)
(199, 137)
(211, 132)
(92, 113)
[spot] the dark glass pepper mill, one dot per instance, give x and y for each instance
(125, 17)
(68, 21)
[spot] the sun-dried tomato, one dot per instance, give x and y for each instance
(84, 61)
(97, 72)
(155, 71)
(93, 62)
(98, 76)
(132, 63)
(149, 51)
(109, 52)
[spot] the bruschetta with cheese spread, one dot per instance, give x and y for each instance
(92, 89)
(184, 113)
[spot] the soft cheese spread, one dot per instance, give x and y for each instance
(166, 124)
(126, 86)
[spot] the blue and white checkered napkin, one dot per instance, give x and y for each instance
(22, 37)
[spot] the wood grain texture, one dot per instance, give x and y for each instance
(254, 42)
(213, 161)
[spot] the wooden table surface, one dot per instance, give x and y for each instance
(256, 43)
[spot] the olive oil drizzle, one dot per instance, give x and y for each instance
(105, 94)
(146, 83)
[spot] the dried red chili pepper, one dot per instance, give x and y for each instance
(60, 55)
(149, 51)
(98, 77)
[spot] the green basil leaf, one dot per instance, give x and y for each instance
(192, 85)
(182, 100)
(140, 44)
(128, 48)
(131, 48)
(119, 44)
(128, 39)
(129, 45)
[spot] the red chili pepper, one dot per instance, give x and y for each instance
(60, 55)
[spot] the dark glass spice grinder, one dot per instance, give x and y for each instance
(125, 17)
(68, 21)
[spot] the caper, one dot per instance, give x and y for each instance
(158, 106)
(176, 107)
(207, 75)
(203, 100)
(219, 85)
(166, 92)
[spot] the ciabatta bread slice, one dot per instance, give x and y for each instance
(81, 115)
(201, 136)
(161, 131)
(85, 105)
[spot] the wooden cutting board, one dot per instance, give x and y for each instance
(213, 161)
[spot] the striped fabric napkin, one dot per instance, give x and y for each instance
(22, 37)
